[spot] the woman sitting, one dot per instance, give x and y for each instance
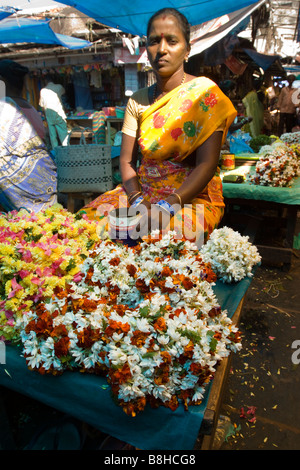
(179, 125)
(27, 172)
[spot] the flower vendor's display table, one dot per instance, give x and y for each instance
(87, 397)
(252, 200)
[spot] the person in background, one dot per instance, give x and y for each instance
(13, 75)
(254, 108)
(51, 103)
(287, 107)
(27, 172)
(179, 123)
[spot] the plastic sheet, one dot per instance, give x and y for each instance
(87, 397)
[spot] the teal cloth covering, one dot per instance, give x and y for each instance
(87, 397)
(247, 190)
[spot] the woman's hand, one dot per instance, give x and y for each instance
(152, 218)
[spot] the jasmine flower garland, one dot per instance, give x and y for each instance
(290, 137)
(145, 317)
(292, 140)
(277, 166)
(230, 254)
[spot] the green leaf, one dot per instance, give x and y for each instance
(148, 354)
(213, 341)
(144, 311)
(213, 344)
(192, 335)
(71, 265)
(89, 244)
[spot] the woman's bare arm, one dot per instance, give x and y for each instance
(128, 161)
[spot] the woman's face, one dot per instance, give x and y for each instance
(166, 46)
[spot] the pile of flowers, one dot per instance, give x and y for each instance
(146, 317)
(38, 252)
(230, 254)
(278, 164)
(292, 140)
(290, 137)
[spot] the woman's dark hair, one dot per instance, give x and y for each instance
(182, 20)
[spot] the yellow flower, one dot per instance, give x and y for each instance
(48, 291)
(12, 304)
(9, 333)
(61, 282)
(20, 294)
(6, 250)
(36, 230)
(28, 285)
(73, 271)
(8, 266)
(7, 287)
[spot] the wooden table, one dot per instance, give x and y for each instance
(212, 412)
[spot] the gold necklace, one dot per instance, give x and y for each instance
(155, 88)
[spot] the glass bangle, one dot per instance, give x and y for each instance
(137, 202)
(133, 194)
(178, 197)
(165, 205)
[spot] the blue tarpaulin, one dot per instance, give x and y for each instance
(26, 30)
(216, 30)
(6, 11)
(132, 17)
(263, 60)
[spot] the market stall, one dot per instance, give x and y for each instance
(267, 196)
(99, 333)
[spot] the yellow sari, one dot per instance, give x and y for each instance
(171, 129)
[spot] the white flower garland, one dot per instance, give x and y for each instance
(290, 137)
(230, 254)
(277, 166)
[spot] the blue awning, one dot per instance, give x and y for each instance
(263, 60)
(26, 30)
(132, 17)
(216, 30)
(6, 11)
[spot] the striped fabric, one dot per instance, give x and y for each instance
(98, 127)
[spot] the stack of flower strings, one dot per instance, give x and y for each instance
(145, 317)
(292, 140)
(277, 166)
(37, 253)
(231, 255)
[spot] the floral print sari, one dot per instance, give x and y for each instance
(27, 171)
(171, 129)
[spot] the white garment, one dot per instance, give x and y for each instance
(50, 98)
(96, 78)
